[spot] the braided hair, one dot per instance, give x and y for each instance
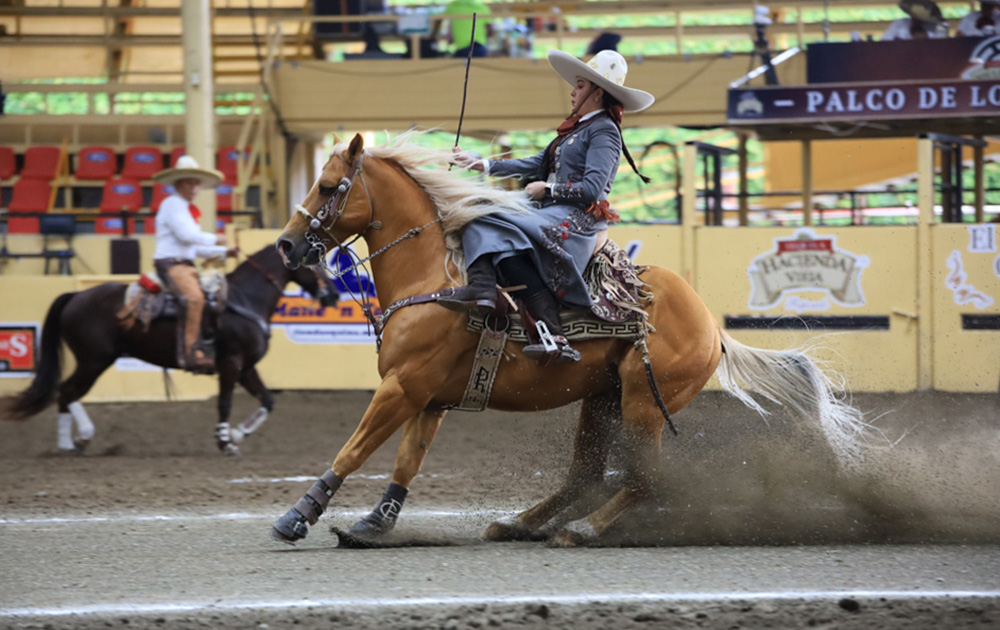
(617, 111)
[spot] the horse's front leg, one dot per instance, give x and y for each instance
(418, 433)
(389, 409)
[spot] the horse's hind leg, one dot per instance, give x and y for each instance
(418, 433)
(251, 381)
(71, 410)
(640, 440)
(582, 491)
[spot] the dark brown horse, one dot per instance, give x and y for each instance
(88, 322)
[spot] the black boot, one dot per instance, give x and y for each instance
(481, 292)
(543, 307)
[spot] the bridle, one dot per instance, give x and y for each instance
(330, 212)
(328, 215)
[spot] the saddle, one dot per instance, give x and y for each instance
(147, 299)
(618, 296)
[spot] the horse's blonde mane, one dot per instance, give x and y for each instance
(457, 200)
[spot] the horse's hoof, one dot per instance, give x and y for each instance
(80, 445)
(575, 534)
(290, 528)
(510, 529)
(372, 526)
(231, 450)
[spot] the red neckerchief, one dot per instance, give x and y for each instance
(195, 212)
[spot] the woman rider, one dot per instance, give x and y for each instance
(547, 250)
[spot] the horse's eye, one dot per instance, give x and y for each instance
(326, 191)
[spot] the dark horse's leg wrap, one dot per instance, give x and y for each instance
(383, 518)
(292, 526)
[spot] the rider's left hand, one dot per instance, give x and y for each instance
(232, 252)
(535, 190)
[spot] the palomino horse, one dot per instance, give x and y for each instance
(409, 215)
(88, 322)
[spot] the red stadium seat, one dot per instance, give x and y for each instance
(119, 194)
(8, 166)
(224, 201)
(40, 163)
(176, 153)
(160, 192)
(225, 161)
(30, 195)
(96, 163)
(142, 162)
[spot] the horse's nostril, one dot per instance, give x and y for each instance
(285, 246)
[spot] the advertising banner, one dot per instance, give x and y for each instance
(304, 321)
(18, 349)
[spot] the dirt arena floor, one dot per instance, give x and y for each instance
(730, 479)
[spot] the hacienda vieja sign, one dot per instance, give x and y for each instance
(865, 101)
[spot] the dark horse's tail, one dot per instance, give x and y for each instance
(40, 393)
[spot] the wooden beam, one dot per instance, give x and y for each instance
(807, 183)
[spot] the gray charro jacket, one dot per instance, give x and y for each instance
(584, 167)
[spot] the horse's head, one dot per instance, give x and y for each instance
(331, 212)
(317, 284)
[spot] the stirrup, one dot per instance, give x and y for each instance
(552, 349)
(206, 365)
(455, 300)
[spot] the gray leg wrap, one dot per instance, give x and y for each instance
(292, 526)
(383, 518)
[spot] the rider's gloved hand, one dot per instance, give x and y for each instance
(464, 159)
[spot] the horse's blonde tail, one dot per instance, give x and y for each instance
(794, 379)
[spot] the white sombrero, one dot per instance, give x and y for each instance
(187, 168)
(607, 70)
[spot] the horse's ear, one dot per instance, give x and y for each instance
(357, 144)
(336, 138)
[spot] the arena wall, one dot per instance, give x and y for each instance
(850, 276)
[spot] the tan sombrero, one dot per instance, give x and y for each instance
(607, 69)
(187, 168)
(923, 11)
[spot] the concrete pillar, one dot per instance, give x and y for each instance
(689, 212)
(744, 207)
(199, 92)
(925, 306)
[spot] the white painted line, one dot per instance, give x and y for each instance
(307, 478)
(784, 103)
(240, 516)
(534, 598)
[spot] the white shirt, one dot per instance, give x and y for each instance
(178, 234)
(900, 29)
(967, 27)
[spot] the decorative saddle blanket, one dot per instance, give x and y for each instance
(147, 299)
(619, 296)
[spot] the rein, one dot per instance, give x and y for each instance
(267, 274)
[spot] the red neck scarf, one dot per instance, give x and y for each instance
(195, 212)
